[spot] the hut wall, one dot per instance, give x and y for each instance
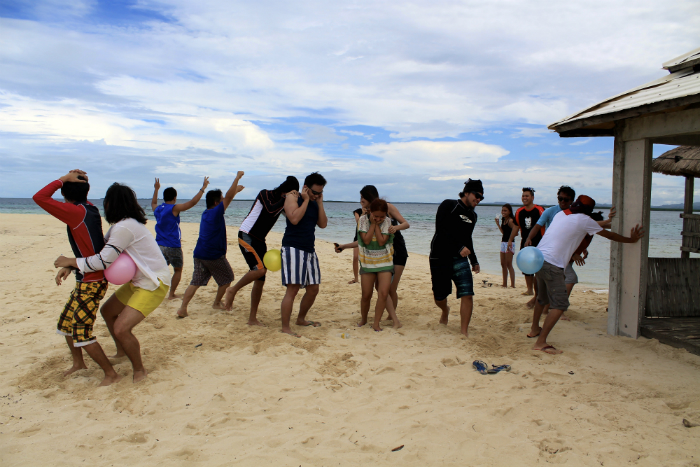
(672, 287)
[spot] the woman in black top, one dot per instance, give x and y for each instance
(506, 226)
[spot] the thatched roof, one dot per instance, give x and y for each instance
(683, 161)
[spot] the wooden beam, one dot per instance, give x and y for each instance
(683, 122)
(688, 209)
(682, 140)
(690, 234)
(585, 132)
(690, 250)
(690, 216)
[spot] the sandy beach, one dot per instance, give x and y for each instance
(222, 393)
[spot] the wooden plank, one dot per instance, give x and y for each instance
(689, 249)
(671, 287)
(688, 209)
(664, 124)
(677, 332)
(690, 234)
(690, 216)
(618, 200)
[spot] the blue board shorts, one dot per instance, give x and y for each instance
(444, 273)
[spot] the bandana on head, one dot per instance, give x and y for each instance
(583, 205)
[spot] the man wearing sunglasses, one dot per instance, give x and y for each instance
(452, 251)
(300, 267)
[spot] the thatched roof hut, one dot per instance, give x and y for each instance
(683, 161)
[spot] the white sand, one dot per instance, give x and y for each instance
(253, 396)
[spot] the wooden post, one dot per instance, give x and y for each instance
(628, 268)
(688, 206)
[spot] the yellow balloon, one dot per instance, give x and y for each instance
(273, 260)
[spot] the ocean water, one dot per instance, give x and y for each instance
(664, 232)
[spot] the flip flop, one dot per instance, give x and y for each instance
(497, 368)
(550, 347)
(311, 323)
(481, 367)
(536, 335)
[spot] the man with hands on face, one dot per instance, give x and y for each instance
(84, 225)
(452, 251)
(300, 267)
(168, 233)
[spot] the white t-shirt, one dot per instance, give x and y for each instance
(564, 235)
(136, 239)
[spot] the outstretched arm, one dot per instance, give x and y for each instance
(178, 208)
(234, 190)
(533, 233)
(154, 201)
(395, 214)
(635, 234)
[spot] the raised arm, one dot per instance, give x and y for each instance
(66, 212)
(234, 190)
(292, 210)
(395, 214)
(154, 201)
(178, 208)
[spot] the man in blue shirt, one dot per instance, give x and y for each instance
(210, 252)
(300, 267)
(168, 228)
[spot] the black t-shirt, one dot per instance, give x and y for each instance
(526, 220)
(454, 225)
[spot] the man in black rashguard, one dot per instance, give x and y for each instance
(263, 215)
(452, 251)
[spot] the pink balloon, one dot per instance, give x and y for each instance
(122, 270)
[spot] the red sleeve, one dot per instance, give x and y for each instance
(65, 212)
(517, 214)
(540, 209)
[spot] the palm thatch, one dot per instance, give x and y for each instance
(683, 161)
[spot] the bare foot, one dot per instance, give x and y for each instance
(504, 286)
(229, 296)
(512, 286)
(182, 313)
(111, 379)
(377, 330)
(254, 322)
(173, 297)
(547, 349)
(290, 332)
(354, 281)
(117, 356)
(362, 323)
(74, 368)
(218, 306)
(465, 333)
(531, 303)
(397, 324)
(140, 375)
(445, 317)
(528, 292)
(534, 332)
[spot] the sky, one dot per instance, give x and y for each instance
(414, 97)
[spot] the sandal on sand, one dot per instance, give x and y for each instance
(536, 335)
(549, 349)
(311, 323)
(482, 367)
(497, 368)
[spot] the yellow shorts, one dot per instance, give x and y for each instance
(140, 299)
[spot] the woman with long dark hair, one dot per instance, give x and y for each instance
(136, 299)
(506, 226)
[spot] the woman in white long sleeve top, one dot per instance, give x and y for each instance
(135, 300)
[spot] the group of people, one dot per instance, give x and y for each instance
(562, 233)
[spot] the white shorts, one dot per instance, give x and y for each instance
(504, 247)
(300, 267)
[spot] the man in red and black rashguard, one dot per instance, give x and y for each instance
(526, 218)
(84, 226)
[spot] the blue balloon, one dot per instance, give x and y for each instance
(529, 260)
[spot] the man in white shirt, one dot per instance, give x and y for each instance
(560, 242)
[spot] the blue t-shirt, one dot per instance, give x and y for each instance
(303, 235)
(211, 243)
(167, 226)
(548, 216)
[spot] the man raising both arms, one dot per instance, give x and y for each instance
(210, 252)
(300, 268)
(452, 250)
(525, 219)
(560, 241)
(262, 217)
(168, 228)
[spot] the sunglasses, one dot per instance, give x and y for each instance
(316, 193)
(478, 196)
(561, 198)
(527, 188)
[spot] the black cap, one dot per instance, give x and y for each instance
(473, 186)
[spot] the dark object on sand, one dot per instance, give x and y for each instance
(484, 369)
(198, 345)
(688, 424)
(397, 449)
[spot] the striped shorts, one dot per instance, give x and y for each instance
(300, 267)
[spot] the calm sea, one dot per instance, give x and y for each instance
(664, 241)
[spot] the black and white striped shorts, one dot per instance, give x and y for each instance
(300, 267)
